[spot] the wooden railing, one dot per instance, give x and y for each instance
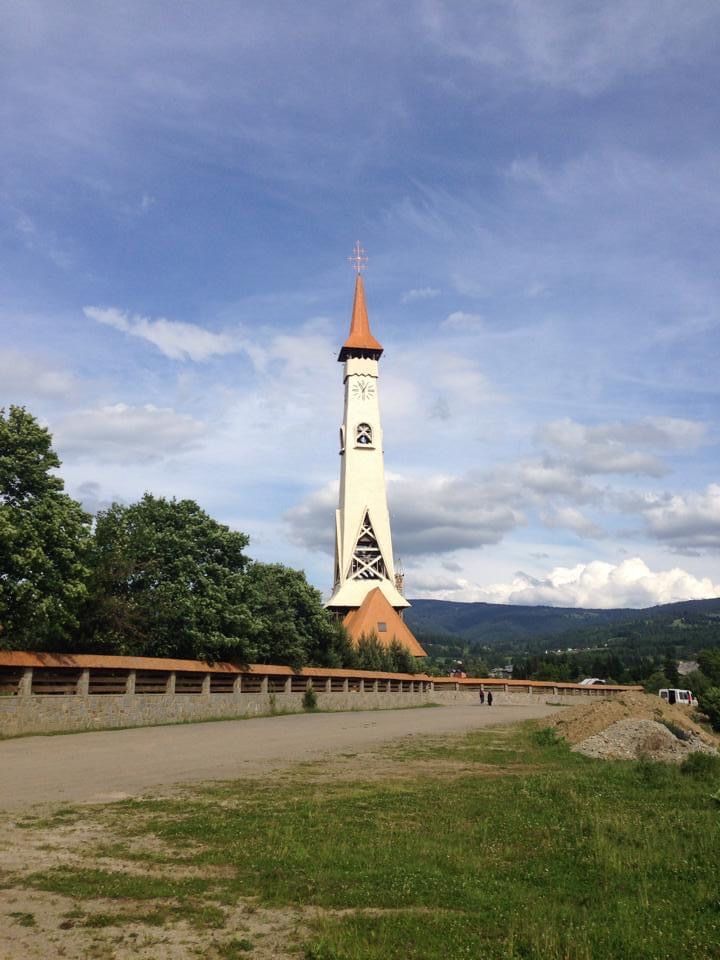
(49, 674)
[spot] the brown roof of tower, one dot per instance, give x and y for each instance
(360, 337)
(374, 613)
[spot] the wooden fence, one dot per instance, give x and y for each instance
(54, 693)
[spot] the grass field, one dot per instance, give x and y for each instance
(501, 844)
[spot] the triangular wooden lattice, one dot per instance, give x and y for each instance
(367, 561)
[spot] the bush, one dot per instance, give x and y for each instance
(309, 700)
(709, 703)
(320, 951)
(653, 773)
(701, 766)
(547, 737)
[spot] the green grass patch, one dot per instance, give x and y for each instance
(23, 919)
(202, 915)
(62, 816)
(702, 766)
(530, 851)
(114, 885)
(235, 949)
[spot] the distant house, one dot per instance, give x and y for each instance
(502, 673)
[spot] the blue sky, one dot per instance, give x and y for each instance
(537, 189)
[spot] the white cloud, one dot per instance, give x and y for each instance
(43, 241)
(597, 584)
(420, 293)
(540, 480)
(25, 225)
(441, 514)
(462, 321)
(570, 518)
(24, 376)
(177, 340)
(687, 521)
(432, 515)
(311, 523)
(126, 434)
(90, 494)
(433, 584)
(612, 447)
(565, 45)
(433, 398)
(658, 432)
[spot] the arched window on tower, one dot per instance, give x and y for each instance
(363, 435)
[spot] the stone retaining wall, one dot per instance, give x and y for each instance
(55, 699)
(46, 714)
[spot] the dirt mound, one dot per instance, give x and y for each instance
(635, 739)
(585, 720)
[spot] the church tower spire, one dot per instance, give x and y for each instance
(360, 341)
(365, 583)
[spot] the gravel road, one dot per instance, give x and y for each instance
(110, 765)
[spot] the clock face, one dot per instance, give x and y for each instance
(363, 389)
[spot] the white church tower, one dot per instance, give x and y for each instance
(365, 591)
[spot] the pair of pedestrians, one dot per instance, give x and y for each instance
(489, 697)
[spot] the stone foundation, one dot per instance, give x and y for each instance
(56, 714)
(54, 693)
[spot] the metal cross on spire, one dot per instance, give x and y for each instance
(359, 258)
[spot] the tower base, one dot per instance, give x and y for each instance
(376, 616)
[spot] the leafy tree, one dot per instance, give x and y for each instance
(655, 682)
(709, 703)
(340, 652)
(670, 670)
(709, 663)
(44, 539)
(168, 580)
(402, 660)
(475, 666)
(697, 682)
(371, 654)
(289, 623)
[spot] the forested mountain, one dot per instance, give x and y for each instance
(560, 643)
(506, 629)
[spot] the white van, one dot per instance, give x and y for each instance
(683, 698)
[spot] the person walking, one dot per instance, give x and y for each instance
(489, 698)
(482, 697)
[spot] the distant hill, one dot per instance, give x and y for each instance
(507, 626)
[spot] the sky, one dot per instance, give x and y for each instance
(537, 190)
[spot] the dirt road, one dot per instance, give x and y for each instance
(110, 765)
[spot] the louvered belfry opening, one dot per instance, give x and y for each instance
(367, 561)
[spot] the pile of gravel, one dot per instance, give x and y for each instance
(583, 720)
(635, 739)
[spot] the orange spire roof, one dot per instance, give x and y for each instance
(375, 615)
(360, 338)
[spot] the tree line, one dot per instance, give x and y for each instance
(159, 577)
(644, 651)
(653, 672)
